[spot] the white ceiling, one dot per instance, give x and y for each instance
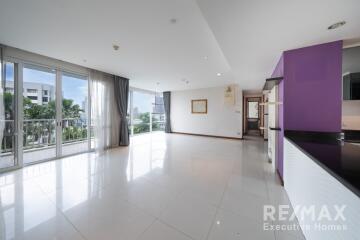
(242, 39)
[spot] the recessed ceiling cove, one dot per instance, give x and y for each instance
(253, 33)
(161, 42)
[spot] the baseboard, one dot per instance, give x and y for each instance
(205, 135)
(281, 179)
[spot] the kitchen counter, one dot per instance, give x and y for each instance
(320, 170)
(340, 159)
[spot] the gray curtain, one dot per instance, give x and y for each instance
(121, 88)
(167, 102)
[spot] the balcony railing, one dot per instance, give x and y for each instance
(74, 130)
(144, 127)
(8, 136)
(40, 133)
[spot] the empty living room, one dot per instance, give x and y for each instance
(179, 120)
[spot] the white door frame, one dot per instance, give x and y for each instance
(58, 117)
(273, 122)
(19, 116)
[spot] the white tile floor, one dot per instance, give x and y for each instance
(165, 186)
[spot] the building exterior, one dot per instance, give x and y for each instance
(158, 106)
(38, 93)
(158, 113)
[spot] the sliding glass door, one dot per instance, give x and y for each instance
(75, 110)
(44, 112)
(55, 113)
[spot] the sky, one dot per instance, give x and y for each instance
(142, 101)
(72, 87)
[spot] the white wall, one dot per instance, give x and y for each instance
(221, 119)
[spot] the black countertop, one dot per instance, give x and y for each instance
(338, 158)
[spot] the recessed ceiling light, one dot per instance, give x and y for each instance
(337, 25)
(218, 74)
(173, 20)
(115, 47)
(206, 57)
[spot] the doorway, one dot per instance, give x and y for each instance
(253, 114)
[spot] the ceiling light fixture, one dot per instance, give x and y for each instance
(115, 47)
(336, 25)
(173, 20)
(218, 74)
(206, 58)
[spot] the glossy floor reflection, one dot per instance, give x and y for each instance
(164, 186)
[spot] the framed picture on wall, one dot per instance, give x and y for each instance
(199, 106)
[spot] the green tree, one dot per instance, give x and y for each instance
(8, 105)
(48, 111)
(144, 126)
(70, 110)
(45, 111)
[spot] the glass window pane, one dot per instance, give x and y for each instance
(7, 118)
(147, 112)
(158, 114)
(39, 126)
(253, 110)
(141, 112)
(74, 114)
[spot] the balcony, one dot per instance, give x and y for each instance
(143, 124)
(39, 139)
(145, 127)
